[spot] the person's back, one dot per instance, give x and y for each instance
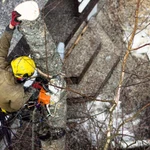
(12, 95)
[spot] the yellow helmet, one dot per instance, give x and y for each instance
(23, 66)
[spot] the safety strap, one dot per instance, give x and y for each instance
(3, 110)
(5, 131)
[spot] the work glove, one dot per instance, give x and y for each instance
(14, 15)
(55, 76)
(37, 85)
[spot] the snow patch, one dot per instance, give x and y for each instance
(93, 12)
(82, 5)
(141, 38)
(61, 49)
(98, 122)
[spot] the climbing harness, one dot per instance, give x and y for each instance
(50, 96)
(5, 131)
(37, 111)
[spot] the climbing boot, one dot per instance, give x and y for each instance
(51, 133)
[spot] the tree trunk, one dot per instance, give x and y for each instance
(43, 51)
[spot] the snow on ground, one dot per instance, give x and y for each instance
(142, 37)
(83, 5)
(61, 49)
(98, 122)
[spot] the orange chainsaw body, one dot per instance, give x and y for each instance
(43, 98)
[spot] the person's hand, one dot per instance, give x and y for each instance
(14, 15)
(55, 77)
(37, 85)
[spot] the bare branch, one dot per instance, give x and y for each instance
(43, 74)
(147, 44)
(133, 117)
(117, 97)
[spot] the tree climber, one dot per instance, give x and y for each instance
(12, 94)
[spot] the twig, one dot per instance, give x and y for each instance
(43, 74)
(127, 53)
(76, 42)
(117, 97)
(109, 128)
(46, 50)
(147, 44)
(58, 3)
(134, 116)
(71, 90)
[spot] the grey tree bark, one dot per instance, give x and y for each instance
(43, 51)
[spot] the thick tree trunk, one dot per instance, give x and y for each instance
(43, 51)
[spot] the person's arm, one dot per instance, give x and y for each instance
(4, 46)
(6, 39)
(11, 26)
(19, 98)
